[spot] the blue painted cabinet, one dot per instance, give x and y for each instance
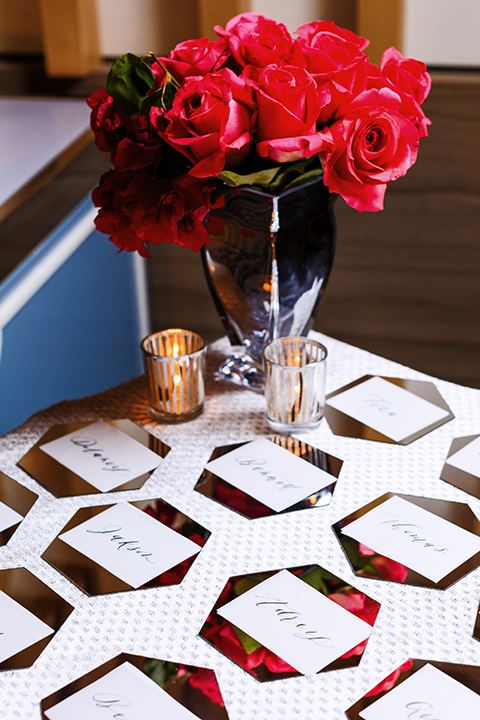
(72, 315)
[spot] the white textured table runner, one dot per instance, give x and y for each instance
(164, 622)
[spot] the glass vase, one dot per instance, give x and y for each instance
(267, 266)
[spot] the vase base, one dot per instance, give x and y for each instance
(241, 370)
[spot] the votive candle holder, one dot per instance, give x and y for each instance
(174, 361)
(295, 369)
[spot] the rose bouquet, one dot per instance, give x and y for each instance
(256, 107)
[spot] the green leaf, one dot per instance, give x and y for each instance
(129, 82)
(314, 578)
(300, 179)
(248, 643)
(264, 178)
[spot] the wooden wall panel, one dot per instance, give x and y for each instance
(382, 23)
(70, 37)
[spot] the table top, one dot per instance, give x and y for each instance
(37, 136)
(164, 622)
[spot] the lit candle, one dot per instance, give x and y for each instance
(174, 365)
(294, 383)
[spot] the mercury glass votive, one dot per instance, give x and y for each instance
(174, 361)
(294, 383)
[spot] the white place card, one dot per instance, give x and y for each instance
(102, 455)
(429, 693)
(19, 628)
(296, 622)
(125, 692)
(130, 544)
(467, 458)
(270, 474)
(412, 536)
(387, 408)
(8, 517)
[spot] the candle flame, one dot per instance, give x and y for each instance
(175, 350)
(297, 389)
(177, 379)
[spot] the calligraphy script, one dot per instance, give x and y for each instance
(122, 543)
(413, 531)
(418, 711)
(258, 466)
(89, 445)
(110, 701)
(287, 614)
(381, 404)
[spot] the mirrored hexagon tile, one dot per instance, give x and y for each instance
(422, 689)
(412, 540)
(462, 465)
(30, 615)
(270, 475)
(95, 457)
(137, 688)
(127, 546)
(288, 622)
(15, 502)
(386, 409)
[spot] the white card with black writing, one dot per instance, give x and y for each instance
(270, 474)
(428, 693)
(296, 622)
(412, 536)
(387, 408)
(467, 458)
(125, 692)
(130, 544)
(102, 455)
(19, 628)
(8, 517)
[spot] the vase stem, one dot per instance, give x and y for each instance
(274, 283)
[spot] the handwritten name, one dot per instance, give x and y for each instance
(381, 404)
(122, 543)
(109, 701)
(419, 707)
(89, 445)
(413, 531)
(257, 465)
(287, 614)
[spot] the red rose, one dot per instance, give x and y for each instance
(327, 48)
(371, 146)
(409, 107)
(334, 57)
(211, 122)
(407, 74)
(288, 105)
(192, 57)
(256, 40)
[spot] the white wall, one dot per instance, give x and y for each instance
(291, 13)
(143, 26)
(442, 32)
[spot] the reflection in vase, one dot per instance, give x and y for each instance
(267, 266)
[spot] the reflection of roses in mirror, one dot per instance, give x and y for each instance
(384, 567)
(176, 520)
(391, 680)
(257, 107)
(204, 679)
(251, 654)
